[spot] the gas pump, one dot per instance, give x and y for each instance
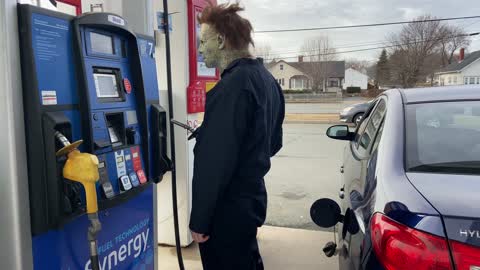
(91, 78)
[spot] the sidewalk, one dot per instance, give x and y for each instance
(281, 249)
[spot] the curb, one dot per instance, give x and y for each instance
(336, 122)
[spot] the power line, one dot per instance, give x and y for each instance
(340, 47)
(365, 25)
(384, 47)
(470, 25)
(344, 46)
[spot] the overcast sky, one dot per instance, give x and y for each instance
(283, 14)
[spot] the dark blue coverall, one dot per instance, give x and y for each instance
(242, 130)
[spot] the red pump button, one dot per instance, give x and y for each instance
(128, 85)
(141, 176)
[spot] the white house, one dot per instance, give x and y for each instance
(355, 78)
(466, 71)
(300, 75)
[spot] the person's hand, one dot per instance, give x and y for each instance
(199, 237)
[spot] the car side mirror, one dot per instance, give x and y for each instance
(340, 132)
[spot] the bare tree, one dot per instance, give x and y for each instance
(264, 51)
(454, 39)
(318, 51)
(414, 43)
(422, 48)
(359, 65)
(372, 71)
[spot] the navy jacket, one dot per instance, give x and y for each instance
(241, 131)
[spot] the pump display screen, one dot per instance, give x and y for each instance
(101, 43)
(106, 85)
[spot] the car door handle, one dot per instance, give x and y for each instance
(341, 169)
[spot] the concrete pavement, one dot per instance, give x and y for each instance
(313, 108)
(281, 249)
(306, 169)
(317, 113)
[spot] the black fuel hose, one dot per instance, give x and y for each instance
(172, 134)
(94, 254)
(94, 262)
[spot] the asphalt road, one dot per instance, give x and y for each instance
(306, 169)
(321, 107)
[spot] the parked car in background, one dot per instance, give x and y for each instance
(410, 180)
(354, 113)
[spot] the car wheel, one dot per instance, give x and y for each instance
(357, 118)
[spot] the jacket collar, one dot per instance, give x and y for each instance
(240, 61)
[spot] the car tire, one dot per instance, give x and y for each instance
(357, 119)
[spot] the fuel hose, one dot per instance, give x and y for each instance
(172, 134)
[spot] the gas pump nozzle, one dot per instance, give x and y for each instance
(187, 127)
(83, 168)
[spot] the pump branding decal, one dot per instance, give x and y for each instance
(132, 243)
(120, 161)
(116, 20)
(126, 241)
(49, 97)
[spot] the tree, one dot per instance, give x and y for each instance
(359, 65)
(431, 65)
(423, 47)
(264, 51)
(383, 69)
(454, 39)
(318, 51)
(414, 43)
(372, 71)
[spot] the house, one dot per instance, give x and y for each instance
(355, 78)
(327, 76)
(465, 71)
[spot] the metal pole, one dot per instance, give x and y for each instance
(15, 233)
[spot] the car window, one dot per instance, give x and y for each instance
(363, 124)
(372, 126)
(444, 137)
(377, 138)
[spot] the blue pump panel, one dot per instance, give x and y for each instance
(91, 78)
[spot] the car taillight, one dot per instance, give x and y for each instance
(466, 257)
(399, 247)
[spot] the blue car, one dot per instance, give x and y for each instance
(410, 194)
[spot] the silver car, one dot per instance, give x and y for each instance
(354, 113)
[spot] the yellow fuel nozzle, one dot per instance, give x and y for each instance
(81, 168)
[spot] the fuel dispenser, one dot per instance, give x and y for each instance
(90, 78)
